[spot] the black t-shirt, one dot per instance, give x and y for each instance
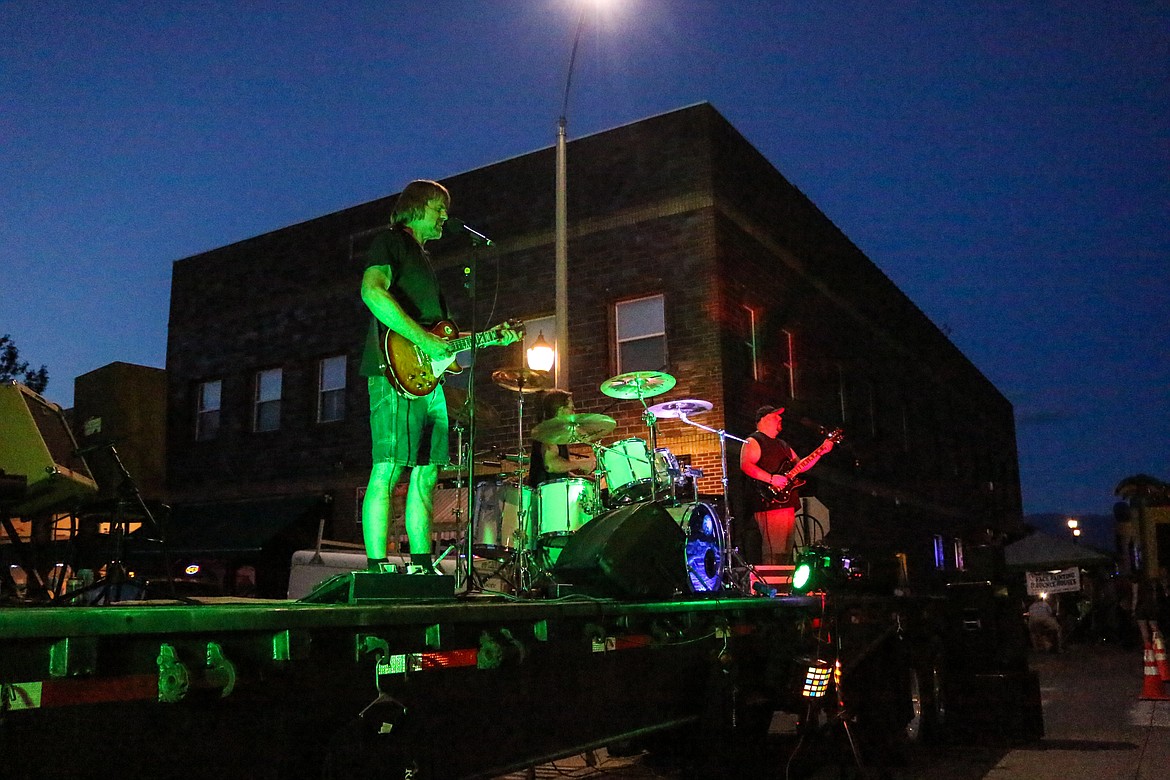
(412, 283)
(775, 458)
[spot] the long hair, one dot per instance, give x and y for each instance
(552, 402)
(413, 200)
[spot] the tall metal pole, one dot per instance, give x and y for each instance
(562, 224)
(562, 262)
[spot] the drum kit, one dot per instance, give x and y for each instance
(523, 530)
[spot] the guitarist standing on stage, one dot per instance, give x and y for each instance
(765, 458)
(401, 290)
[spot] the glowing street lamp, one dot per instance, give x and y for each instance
(541, 355)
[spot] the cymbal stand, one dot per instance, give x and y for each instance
(652, 424)
(523, 533)
(728, 521)
(461, 504)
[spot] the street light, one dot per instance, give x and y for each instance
(541, 355)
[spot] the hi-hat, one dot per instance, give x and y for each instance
(684, 408)
(522, 380)
(638, 384)
(459, 411)
(574, 429)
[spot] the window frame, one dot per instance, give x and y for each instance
(323, 391)
(618, 341)
(259, 404)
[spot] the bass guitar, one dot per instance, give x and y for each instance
(413, 374)
(780, 495)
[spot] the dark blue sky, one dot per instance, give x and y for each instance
(1005, 163)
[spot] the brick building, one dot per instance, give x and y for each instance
(688, 253)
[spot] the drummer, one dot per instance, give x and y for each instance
(556, 461)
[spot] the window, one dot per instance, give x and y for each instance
(267, 416)
(641, 334)
(207, 410)
(331, 389)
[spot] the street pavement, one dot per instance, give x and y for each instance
(1096, 728)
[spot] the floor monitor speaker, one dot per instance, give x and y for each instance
(634, 551)
(35, 441)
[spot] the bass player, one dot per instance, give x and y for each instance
(766, 459)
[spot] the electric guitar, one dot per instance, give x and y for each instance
(770, 493)
(413, 374)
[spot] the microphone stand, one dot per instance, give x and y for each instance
(469, 271)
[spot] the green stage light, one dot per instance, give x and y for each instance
(801, 577)
(814, 567)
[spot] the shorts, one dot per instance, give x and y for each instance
(407, 431)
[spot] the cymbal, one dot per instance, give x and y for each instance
(458, 410)
(672, 409)
(638, 384)
(522, 380)
(513, 457)
(574, 429)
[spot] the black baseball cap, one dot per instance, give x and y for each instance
(764, 411)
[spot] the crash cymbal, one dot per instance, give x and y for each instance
(458, 410)
(672, 409)
(574, 429)
(638, 384)
(522, 380)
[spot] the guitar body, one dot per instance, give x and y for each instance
(408, 368)
(780, 495)
(413, 374)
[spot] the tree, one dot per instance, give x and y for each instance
(12, 367)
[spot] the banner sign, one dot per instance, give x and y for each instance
(1065, 581)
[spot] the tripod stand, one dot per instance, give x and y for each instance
(117, 582)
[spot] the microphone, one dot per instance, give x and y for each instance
(476, 236)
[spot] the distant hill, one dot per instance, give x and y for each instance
(1096, 530)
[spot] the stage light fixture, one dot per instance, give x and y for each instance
(813, 566)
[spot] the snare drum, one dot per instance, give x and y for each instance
(499, 508)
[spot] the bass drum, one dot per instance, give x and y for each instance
(704, 550)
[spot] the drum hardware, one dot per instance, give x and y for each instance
(522, 381)
(461, 411)
(732, 559)
(574, 429)
(641, 385)
(638, 384)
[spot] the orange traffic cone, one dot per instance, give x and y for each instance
(1160, 656)
(1152, 689)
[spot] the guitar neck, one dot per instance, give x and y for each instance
(484, 339)
(805, 463)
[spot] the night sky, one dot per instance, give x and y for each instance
(1006, 164)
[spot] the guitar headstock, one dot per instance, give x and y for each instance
(509, 331)
(835, 436)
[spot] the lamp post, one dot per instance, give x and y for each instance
(562, 222)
